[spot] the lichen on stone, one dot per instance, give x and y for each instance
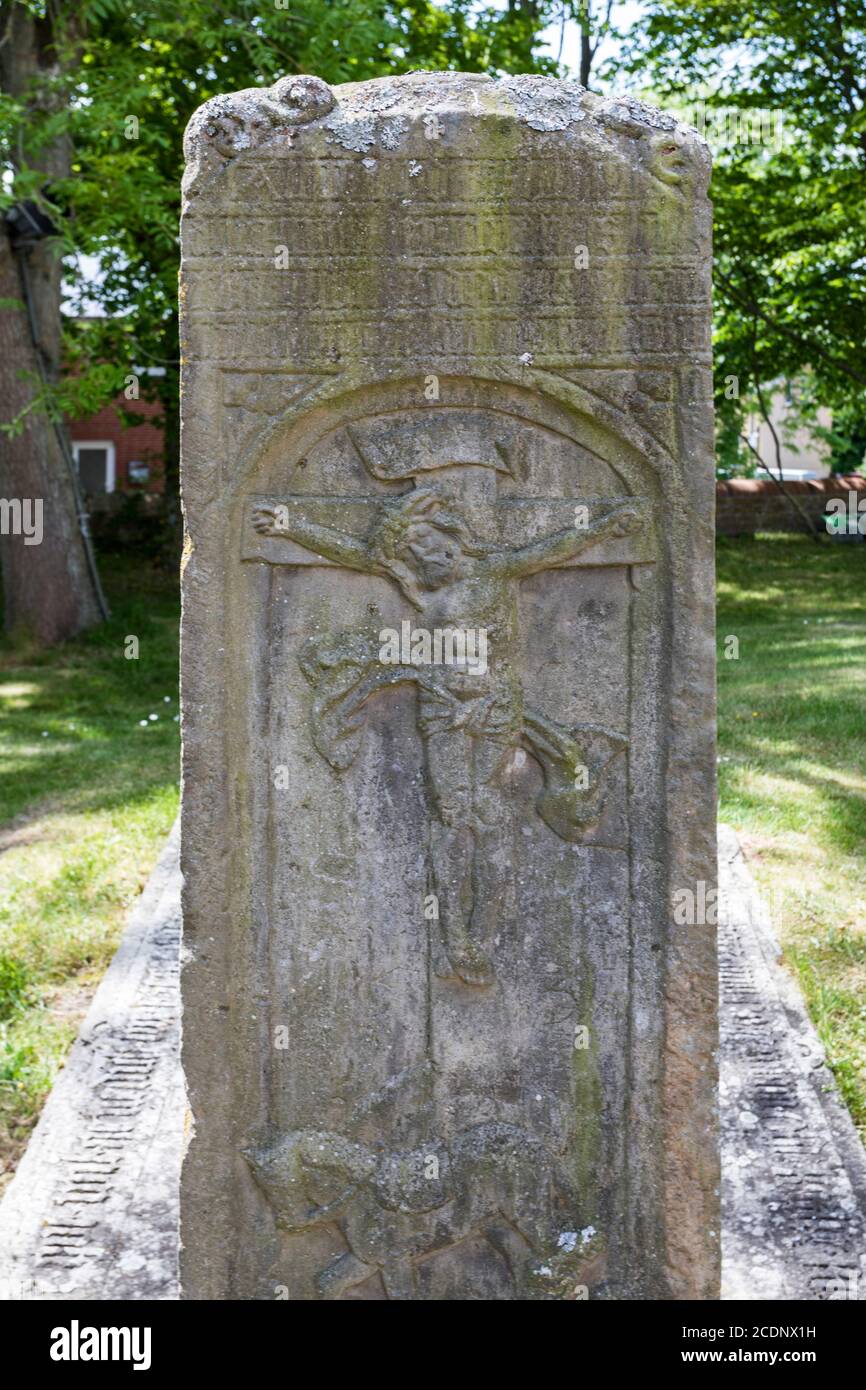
(229, 125)
(356, 133)
(392, 132)
(627, 109)
(545, 103)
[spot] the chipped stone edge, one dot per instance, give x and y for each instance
(360, 115)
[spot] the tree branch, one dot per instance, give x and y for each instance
(812, 348)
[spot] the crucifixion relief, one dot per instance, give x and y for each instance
(473, 721)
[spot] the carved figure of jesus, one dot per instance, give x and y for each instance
(470, 721)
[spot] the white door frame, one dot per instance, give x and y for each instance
(110, 462)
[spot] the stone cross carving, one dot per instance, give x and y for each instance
(472, 722)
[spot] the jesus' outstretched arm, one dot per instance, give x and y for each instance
(327, 541)
(553, 550)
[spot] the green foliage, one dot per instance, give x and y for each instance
(847, 437)
(730, 458)
(14, 985)
(74, 396)
(790, 212)
(131, 76)
(478, 38)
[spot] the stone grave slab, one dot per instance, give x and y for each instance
(793, 1167)
(446, 368)
(91, 1212)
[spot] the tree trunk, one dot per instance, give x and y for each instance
(49, 590)
(587, 53)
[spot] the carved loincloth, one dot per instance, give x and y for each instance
(345, 672)
(495, 714)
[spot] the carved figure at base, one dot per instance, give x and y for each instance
(394, 1209)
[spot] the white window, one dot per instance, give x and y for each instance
(94, 459)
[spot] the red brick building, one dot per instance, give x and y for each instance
(113, 457)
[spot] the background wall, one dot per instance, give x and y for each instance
(746, 505)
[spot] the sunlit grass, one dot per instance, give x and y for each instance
(792, 775)
(87, 795)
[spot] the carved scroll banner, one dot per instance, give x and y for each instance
(448, 696)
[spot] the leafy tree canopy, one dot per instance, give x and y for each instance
(129, 77)
(788, 189)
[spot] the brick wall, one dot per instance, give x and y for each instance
(137, 442)
(746, 505)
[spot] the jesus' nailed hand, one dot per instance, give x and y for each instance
(471, 724)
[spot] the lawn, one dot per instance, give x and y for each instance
(89, 790)
(792, 769)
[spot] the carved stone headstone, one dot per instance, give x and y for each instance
(448, 696)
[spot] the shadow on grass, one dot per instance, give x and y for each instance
(841, 819)
(72, 724)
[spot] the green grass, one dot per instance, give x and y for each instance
(792, 771)
(87, 795)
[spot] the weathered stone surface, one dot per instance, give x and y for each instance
(92, 1211)
(446, 363)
